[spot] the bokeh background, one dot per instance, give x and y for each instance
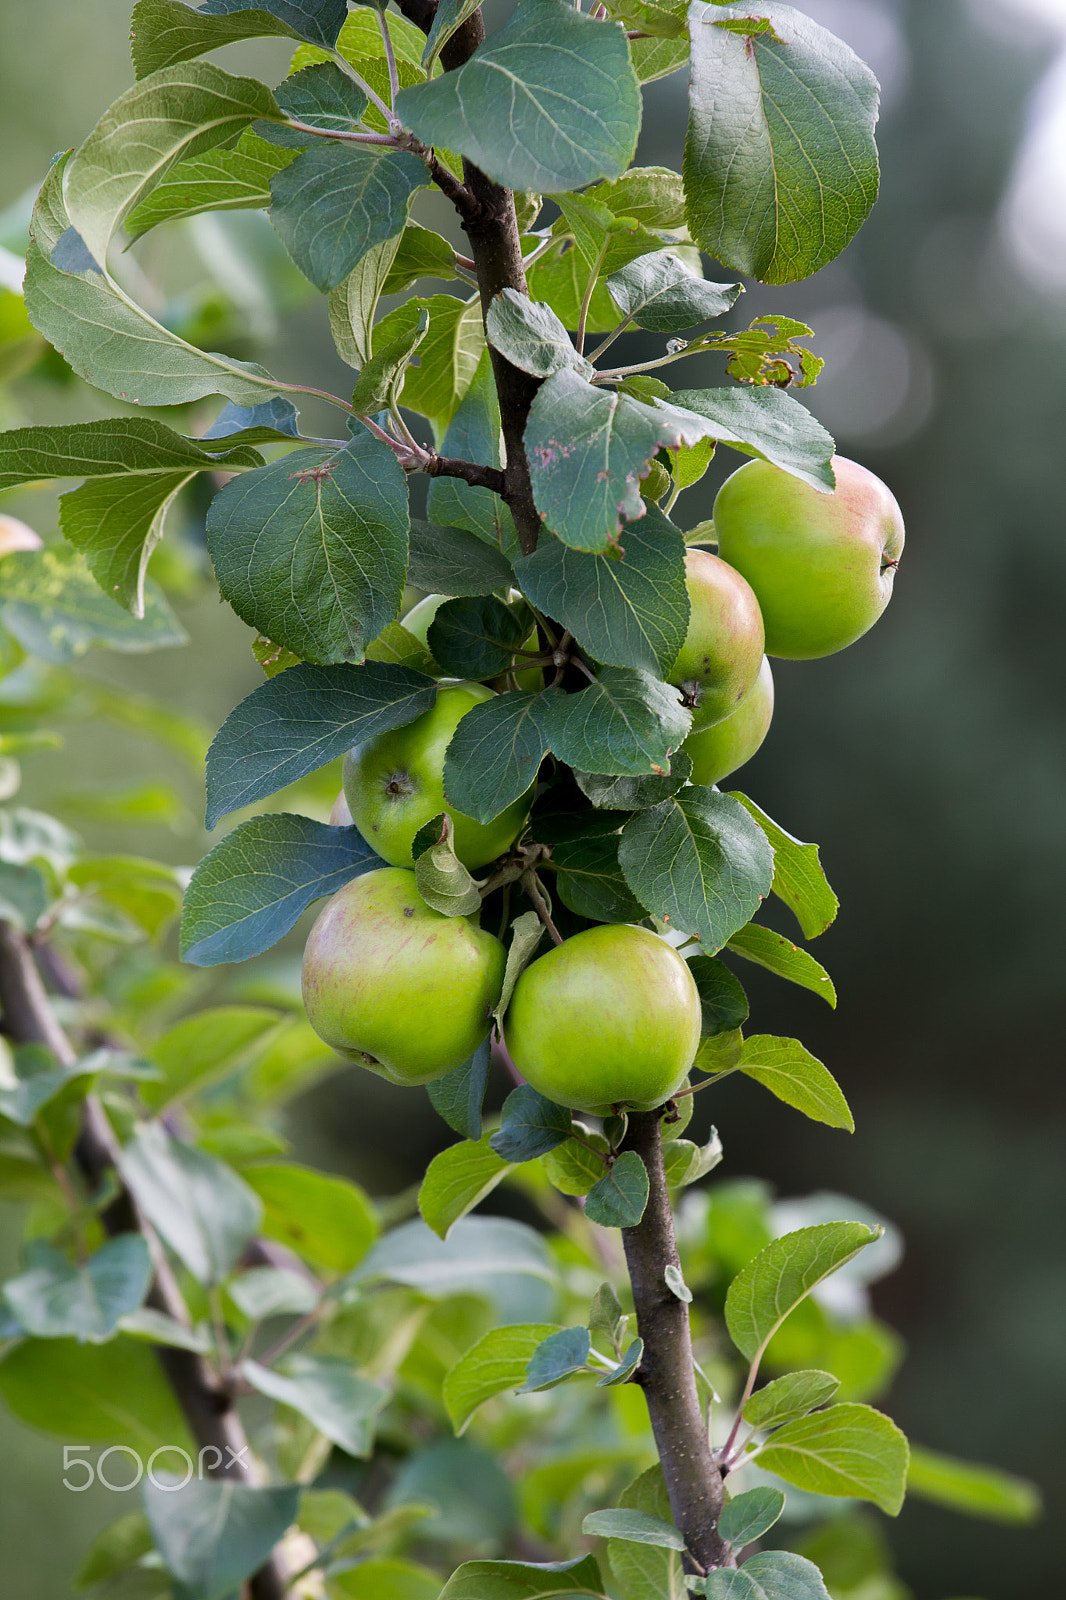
(928, 760)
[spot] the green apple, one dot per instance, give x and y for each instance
(723, 649)
(16, 535)
(718, 751)
(419, 617)
(394, 785)
(392, 984)
(821, 565)
(608, 1018)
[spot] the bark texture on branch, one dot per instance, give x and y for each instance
(28, 1018)
(666, 1373)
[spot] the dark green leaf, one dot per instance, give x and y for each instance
(24, 897)
(303, 718)
(661, 293)
(629, 610)
(699, 861)
(626, 1367)
(722, 999)
(627, 723)
(382, 376)
(589, 880)
(779, 955)
(323, 97)
(214, 1532)
(473, 434)
(338, 200)
(770, 1575)
(782, 1274)
(637, 1526)
(848, 1449)
(550, 102)
(329, 1392)
(270, 420)
(560, 1356)
(448, 16)
(523, 1580)
(83, 1300)
(619, 1198)
(798, 877)
(457, 1097)
(635, 794)
(200, 1207)
(312, 549)
(531, 336)
(475, 637)
(795, 1076)
(53, 606)
(218, 180)
(165, 31)
(530, 1125)
(975, 1490)
(452, 560)
(496, 752)
(458, 1179)
(780, 161)
(748, 1516)
(247, 893)
(785, 1398)
(765, 422)
(442, 880)
(497, 1362)
(527, 931)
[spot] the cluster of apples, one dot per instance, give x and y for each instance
(610, 1017)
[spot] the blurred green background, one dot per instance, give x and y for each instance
(928, 760)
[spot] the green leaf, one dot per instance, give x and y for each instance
(264, 423)
(531, 336)
(323, 97)
(676, 1283)
(218, 180)
(619, 1198)
(420, 254)
(496, 752)
(795, 1076)
(302, 719)
(660, 293)
(352, 304)
(202, 1046)
(626, 723)
(606, 1316)
(780, 161)
(273, 1292)
(530, 1125)
(24, 897)
(589, 881)
(112, 1393)
(396, 645)
(527, 931)
(324, 1219)
(200, 1207)
(629, 610)
(767, 423)
(974, 1490)
(178, 112)
(442, 880)
(473, 434)
(560, 278)
(549, 102)
(657, 58)
(626, 1367)
(748, 1516)
(635, 794)
(312, 549)
(638, 1527)
(574, 1166)
(52, 605)
(770, 1575)
(452, 560)
(457, 1097)
(165, 31)
(213, 1533)
(496, 1363)
(121, 447)
(523, 1580)
(449, 357)
(791, 1396)
(779, 955)
(114, 1550)
(448, 16)
(475, 637)
(86, 1300)
(385, 1575)
(381, 377)
(699, 861)
(111, 341)
(249, 891)
(457, 1180)
(329, 1393)
(337, 201)
(798, 877)
(782, 1274)
(687, 1163)
(561, 1355)
(722, 1000)
(647, 1572)
(848, 1449)
(654, 196)
(478, 1253)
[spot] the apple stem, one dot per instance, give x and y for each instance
(532, 885)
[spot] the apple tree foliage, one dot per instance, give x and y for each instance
(480, 1387)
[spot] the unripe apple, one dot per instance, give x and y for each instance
(420, 616)
(821, 565)
(718, 751)
(16, 535)
(396, 986)
(723, 649)
(394, 785)
(608, 1018)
